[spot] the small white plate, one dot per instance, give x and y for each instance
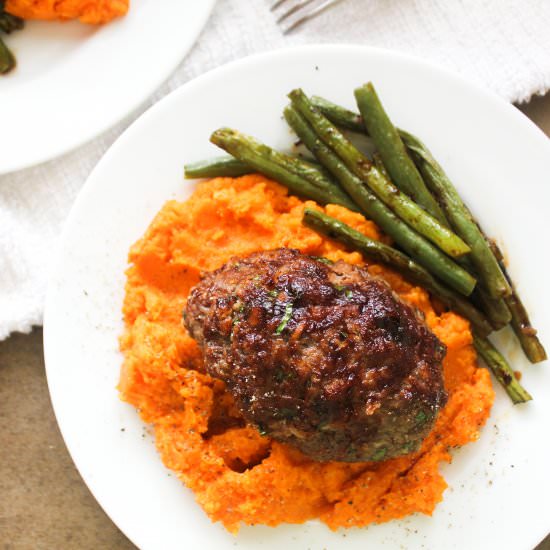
(74, 81)
(498, 487)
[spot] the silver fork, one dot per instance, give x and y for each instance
(297, 12)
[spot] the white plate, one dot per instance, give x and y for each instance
(74, 81)
(498, 487)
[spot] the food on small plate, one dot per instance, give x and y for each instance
(8, 24)
(321, 356)
(86, 11)
(13, 12)
(302, 333)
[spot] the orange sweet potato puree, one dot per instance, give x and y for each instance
(87, 11)
(237, 475)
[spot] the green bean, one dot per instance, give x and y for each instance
(379, 163)
(501, 369)
(9, 22)
(218, 167)
(415, 216)
(485, 263)
(274, 165)
(526, 334)
(444, 238)
(496, 310)
(521, 324)
(339, 116)
(399, 165)
(7, 60)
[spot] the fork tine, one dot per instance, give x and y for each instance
(310, 15)
(294, 9)
(277, 4)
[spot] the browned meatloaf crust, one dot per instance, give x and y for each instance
(320, 356)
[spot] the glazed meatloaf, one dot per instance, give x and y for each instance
(318, 355)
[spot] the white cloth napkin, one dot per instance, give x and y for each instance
(502, 44)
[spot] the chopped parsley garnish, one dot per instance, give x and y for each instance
(341, 288)
(286, 318)
(379, 454)
(421, 417)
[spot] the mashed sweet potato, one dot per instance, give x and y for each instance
(237, 475)
(87, 11)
